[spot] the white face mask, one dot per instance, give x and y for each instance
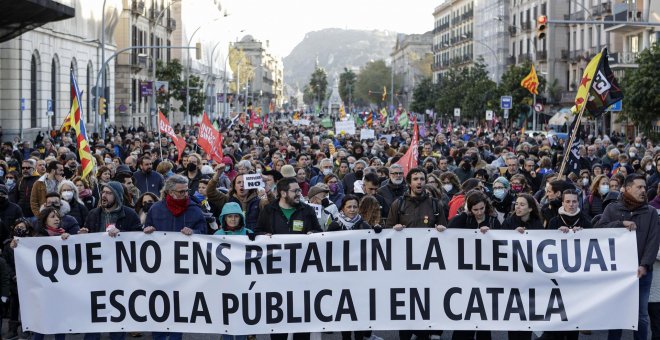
(499, 193)
(585, 182)
(632, 154)
(67, 195)
(448, 187)
(327, 172)
(604, 189)
(648, 167)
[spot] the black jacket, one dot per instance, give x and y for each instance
(128, 221)
(273, 221)
(582, 220)
(391, 191)
(9, 212)
(78, 211)
(513, 222)
(467, 221)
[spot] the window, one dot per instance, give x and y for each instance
(33, 91)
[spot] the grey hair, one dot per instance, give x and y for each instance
(362, 162)
(325, 160)
(396, 166)
(171, 182)
(245, 164)
(76, 194)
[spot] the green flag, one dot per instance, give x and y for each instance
(403, 119)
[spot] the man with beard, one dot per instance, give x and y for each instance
(287, 215)
(416, 209)
(395, 187)
(632, 211)
(25, 186)
(147, 180)
(112, 215)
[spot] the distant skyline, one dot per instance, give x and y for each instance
(284, 23)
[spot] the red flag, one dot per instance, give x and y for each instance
(166, 128)
(409, 160)
(210, 139)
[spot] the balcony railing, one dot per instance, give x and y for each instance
(523, 57)
(623, 58)
(171, 24)
(526, 26)
(577, 55)
(565, 55)
(137, 7)
(541, 55)
(512, 30)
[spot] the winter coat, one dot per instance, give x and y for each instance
(513, 222)
(582, 221)
(162, 219)
(391, 191)
(152, 182)
(336, 225)
(128, 220)
(273, 221)
(228, 209)
(5, 278)
(647, 233)
(25, 191)
(251, 207)
(38, 194)
(78, 211)
(193, 184)
(467, 221)
(9, 212)
(417, 212)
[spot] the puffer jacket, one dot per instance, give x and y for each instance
(162, 219)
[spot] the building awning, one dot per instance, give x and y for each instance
(20, 16)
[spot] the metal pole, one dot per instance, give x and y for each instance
(238, 83)
(534, 113)
(153, 109)
(98, 92)
(392, 84)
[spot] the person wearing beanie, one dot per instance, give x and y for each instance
(502, 198)
(112, 215)
(232, 220)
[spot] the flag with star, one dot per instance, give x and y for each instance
(598, 86)
(531, 82)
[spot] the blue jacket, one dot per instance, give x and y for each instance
(152, 182)
(162, 219)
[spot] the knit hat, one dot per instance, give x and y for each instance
(117, 190)
(503, 181)
(288, 171)
(317, 189)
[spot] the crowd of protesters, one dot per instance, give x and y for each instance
(487, 180)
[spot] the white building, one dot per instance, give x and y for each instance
(452, 36)
(35, 68)
(491, 36)
(409, 58)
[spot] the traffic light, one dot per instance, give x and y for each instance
(102, 107)
(198, 51)
(541, 25)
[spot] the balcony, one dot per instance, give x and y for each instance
(541, 55)
(171, 24)
(138, 61)
(565, 55)
(576, 56)
(524, 57)
(623, 59)
(513, 30)
(511, 60)
(137, 7)
(601, 10)
(526, 26)
(579, 15)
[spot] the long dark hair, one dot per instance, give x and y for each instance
(531, 202)
(475, 197)
(43, 217)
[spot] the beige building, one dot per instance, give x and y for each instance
(266, 89)
(409, 60)
(452, 36)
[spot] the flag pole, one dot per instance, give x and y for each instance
(534, 111)
(571, 140)
(160, 145)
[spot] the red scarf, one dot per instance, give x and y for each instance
(176, 206)
(52, 231)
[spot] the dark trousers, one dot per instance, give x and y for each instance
(520, 335)
(564, 335)
(407, 335)
(654, 314)
(359, 335)
(284, 336)
(39, 336)
(470, 335)
(166, 336)
(113, 336)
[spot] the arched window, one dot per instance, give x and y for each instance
(33, 91)
(53, 87)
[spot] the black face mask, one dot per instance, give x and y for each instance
(147, 206)
(191, 167)
(466, 166)
(359, 174)
(429, 169)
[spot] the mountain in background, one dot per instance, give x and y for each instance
(335, 49)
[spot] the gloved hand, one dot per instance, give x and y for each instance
(325, 202)
(378, 228)
(252, 236)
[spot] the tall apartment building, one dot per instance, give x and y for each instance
(266, 89)
(35, 66)
(408, 60)
(548, 55)
(452, 36)
(491, 36)
(142, 23)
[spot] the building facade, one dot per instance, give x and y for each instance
(266, 88)
(409, 60)
(35, 70)
(491, 36)
(452, 36)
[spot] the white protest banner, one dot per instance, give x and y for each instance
(332, 281)
(367, 134)
(304, 122)
(253, 181)
(347, 127)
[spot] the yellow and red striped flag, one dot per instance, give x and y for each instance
(78, 125)
(531, 82)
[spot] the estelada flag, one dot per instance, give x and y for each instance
(166, 128)
(531, 82)
(598, 87)
(409, 160)
(210, 140)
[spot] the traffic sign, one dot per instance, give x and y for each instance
(22, 103)
(506, 114)
(49, 105)
(457, 112)
(489, 114)
(538, 107)
(506, 102)
(616, 107)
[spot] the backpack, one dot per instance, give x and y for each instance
(435, 205)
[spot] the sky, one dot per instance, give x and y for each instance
(284, 23)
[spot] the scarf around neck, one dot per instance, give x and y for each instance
(176, 206)
(348, 223)
(630, 203)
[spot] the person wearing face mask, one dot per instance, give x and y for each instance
(67, 222)
(464, 171)
(22, 227)
(349, 180)
(326, 168)
(395, 186)
(147, 180)
(11, 183)
(144, 203)
(9, 212)
(593, 204)
(502, 198)
(69, 193)
(336, 189)
(46, 184)
(194, 173)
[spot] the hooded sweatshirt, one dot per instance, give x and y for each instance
(228, 209)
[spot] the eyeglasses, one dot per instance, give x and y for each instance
(180, 192)
(396, 173)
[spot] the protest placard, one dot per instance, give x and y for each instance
(253, 181)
